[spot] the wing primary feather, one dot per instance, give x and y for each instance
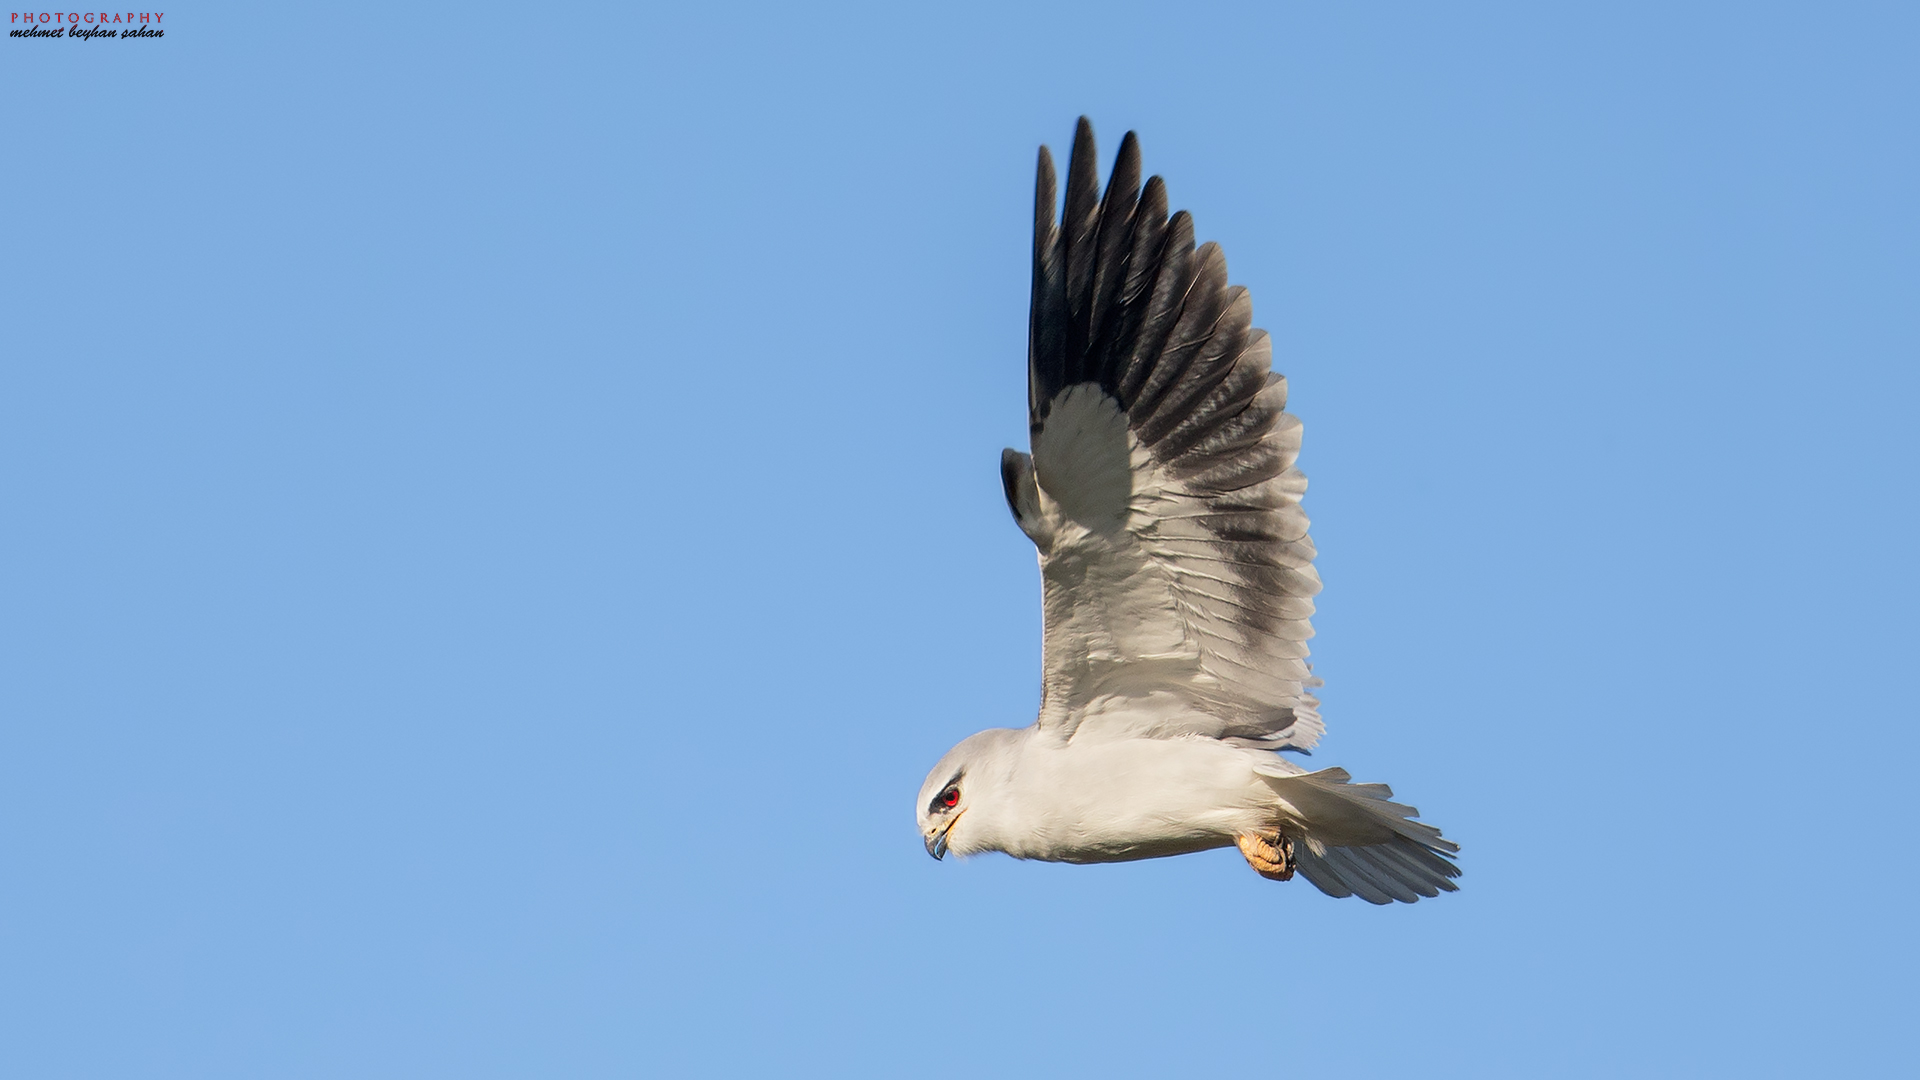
(1171, 279)
(1110, 267)
(1080, 223)
(1213, 363)
(1226, 436)
(1145, 248)
(1201, 307)
(1046, 320)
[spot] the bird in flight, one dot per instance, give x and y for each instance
(1176, 578)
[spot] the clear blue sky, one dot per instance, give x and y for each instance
(501, 512)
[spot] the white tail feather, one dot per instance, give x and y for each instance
(1352, 840)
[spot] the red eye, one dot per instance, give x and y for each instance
(950, 797)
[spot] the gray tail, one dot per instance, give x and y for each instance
(1352, 840)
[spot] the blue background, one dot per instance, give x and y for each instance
(500, 512)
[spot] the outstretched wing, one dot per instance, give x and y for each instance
(1177, 573)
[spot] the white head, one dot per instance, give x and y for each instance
(964, 785)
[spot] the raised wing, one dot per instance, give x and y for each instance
(1177, 573)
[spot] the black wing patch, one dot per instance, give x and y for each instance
(1122, 298)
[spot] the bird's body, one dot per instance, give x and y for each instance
(1177, 579)
(1033, 796)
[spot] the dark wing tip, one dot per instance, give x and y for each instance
(1153, 197)
(1121, 295)
(1044, 191)
(1123, 186)
(1083, 172)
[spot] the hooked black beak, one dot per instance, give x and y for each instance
(937, 843)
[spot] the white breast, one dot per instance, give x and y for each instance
(1115, 800)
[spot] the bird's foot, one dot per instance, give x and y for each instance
(1270, 854)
